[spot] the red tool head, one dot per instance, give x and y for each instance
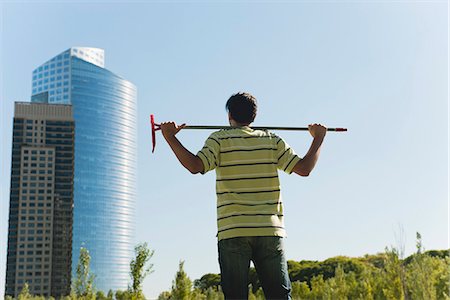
(155, 127)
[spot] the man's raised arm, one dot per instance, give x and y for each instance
(307, 163)
(190, 161)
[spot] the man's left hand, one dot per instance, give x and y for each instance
(170, 129)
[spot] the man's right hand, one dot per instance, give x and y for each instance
(170, 129)
(317, 130)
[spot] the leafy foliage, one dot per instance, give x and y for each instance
(207, 281)
(182, 285)
(139, 269)
(83, 286)
(423, 275)
(25, 293)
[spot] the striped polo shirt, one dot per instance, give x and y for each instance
(247, 185)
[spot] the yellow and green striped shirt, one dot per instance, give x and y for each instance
(247, 185)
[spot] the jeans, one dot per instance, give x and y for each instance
(267, 254)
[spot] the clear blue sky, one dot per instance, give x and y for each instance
(379, 68)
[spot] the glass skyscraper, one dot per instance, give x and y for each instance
(104, 109)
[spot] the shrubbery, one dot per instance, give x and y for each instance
(423, 275)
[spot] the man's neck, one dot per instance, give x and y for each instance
(233, 123)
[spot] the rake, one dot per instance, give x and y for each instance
(156, 127)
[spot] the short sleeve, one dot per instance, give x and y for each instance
(286, 157)
(209, 154)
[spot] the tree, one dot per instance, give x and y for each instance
(182, 285)
(84, 282)
(100, 296)
(393, 274)
(71, 296)
(260, 294)
(304, 270)
(300, 290)
(24, 293)
(427, 276)
(251, 295)
(139, 269)
(123, 295)
(317, 287)
(336, 287)
(165, 296)
(214, 294)
(207, 281)
(253, 279)
(197, 294)
(368, 284)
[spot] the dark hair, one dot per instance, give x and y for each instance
(242, 108)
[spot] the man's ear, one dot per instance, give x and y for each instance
(230, 118)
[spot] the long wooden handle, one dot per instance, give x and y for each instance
(155, 127)
(260, 128)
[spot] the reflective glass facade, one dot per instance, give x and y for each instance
(53, 77)
(104, 108)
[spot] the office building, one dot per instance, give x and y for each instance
(41, 200)
(104, 108)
